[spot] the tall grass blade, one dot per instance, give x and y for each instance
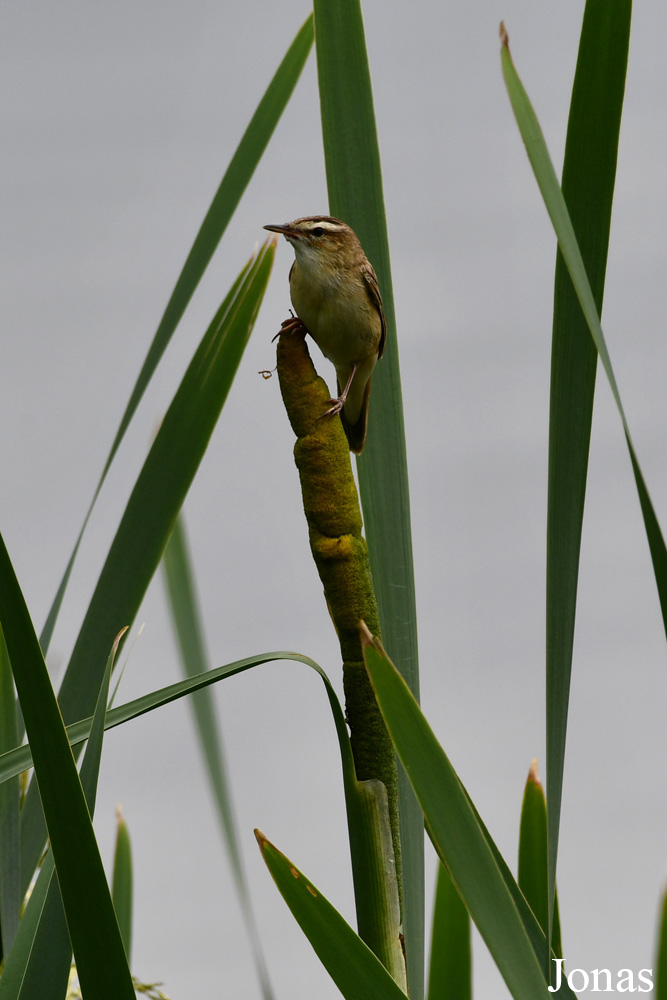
(43, 909)
(153, 505)
(357, 973)
(548, 184)
(91, 920)
(48, 960)
(450, 972)
(589, 174)
(190, 638)
(476, 868)
(233, 184)
(354, 182)
(122, 883)
(10, 898)
(533, 874)
(39, 965)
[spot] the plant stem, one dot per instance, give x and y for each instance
(331, 505)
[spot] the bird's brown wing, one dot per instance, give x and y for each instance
(374, 292)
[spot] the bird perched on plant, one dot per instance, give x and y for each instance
(336, 296)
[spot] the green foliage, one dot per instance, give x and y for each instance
(121, 886)
(185, 614)
(450, 972)
(91, 921)
(533, 875)
(70, 905)
(354, 183)
(509, 929)
(351, 964)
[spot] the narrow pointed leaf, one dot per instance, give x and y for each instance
(553, 200)
(356, 793)
(450, 974)
(533, 875)
(546, 177)
(152, 508)
(42, 965)
(93, 930)
(20, 759)
(44, 904)
(39, 965)
(121, 884)
(189, 633)
(461, 841)
(357, 973)
(589, 173)
(533, 929)
(223, 206)
(354, 182)
(49, 960)
(10, 898)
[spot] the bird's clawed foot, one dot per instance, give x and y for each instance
(292, 326)
(337, 406)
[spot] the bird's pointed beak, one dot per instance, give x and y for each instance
(286, 230)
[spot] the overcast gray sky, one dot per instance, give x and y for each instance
(118, 121)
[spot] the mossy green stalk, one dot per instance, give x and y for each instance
(331, 505)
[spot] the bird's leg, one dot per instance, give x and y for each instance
(339, 403)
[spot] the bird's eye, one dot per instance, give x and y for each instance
(317, 231)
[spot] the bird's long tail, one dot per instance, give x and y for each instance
(356, 432)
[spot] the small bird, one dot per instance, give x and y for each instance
(336, 296)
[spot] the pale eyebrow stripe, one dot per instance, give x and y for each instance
(333, 227)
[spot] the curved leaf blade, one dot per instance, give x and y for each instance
(157, 497)
(589, 174)
(20, 758)
(42, 910)
(237, 177)
(458, 835)
(38, 967)
(450, 972)
(357, 973)
(10, 899)
(545, 176)
(233, 184)
(91, 920)
(188, 629)
(358, 795)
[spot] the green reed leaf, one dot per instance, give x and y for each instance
(354, 181)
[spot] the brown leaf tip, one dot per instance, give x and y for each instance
(116, 642)
(261, 839)
(532, 773)
(504, 37)
(365, 634)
